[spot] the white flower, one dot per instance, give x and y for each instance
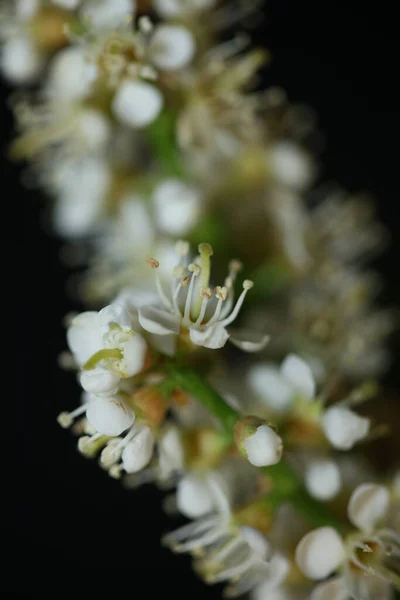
(137, 103)
(106, 348)
(343, 427)
(204, 330)
(20, 60)
(361, 556)
(177, 206)
(290, 165)
(137, 454)
(226, 552)
(320, 552)
(264, 447)
(172, 47)
(278, 387)
(323, 479)
(70, 76)
(108, 14)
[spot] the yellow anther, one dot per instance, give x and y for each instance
(153, 263)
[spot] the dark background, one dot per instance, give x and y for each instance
(75, 530)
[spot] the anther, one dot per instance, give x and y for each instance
(185, 281)
(205, 293)
(248, 284)
(235, 266)
(153, 263)
(195, 269)
(221, 292)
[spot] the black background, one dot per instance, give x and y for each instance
(75, 531)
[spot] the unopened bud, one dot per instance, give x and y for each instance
(258, 442)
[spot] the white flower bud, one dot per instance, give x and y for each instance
(109, 416)
(334, 589)
(299, 374)
(100, 381)
(20, 60)
(107, 14)
(68, 4)
(71, 75)
(194, 496)
(323, 479)
(94, 129)
(177, 206)
(172, 47)
(137, 454)
(320, 552)
(343, 427)
(368, 504)
(264, 447)
(174, 8)
(84, 336)
(170, 449)
(137, 103)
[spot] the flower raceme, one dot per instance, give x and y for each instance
(204, 314)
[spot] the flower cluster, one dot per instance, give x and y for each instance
(144, 128)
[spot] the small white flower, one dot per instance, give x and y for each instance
(343, 427)
(110, 416)
(204, 329)
(278, 387)
(177, 206)
(172, 47)
(106, 348)
(323, 479)
(368, 504)
(20, 60)
(320, 552)
(137, 454)
(264, 447)
(137, 103)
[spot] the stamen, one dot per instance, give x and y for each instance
(221, 294)
(234, 267)
(195, 269)
(154, 264)
(206, 251)
(205, 294)
(66, 419)
(247, 285)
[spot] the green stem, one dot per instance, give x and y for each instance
(288, 486)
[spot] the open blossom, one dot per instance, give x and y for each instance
(106, 348)
(360, 557)
(205, 328)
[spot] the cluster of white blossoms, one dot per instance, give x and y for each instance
(143, 126)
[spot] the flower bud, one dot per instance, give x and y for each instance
(137, 103)
(343, 427)
(323, 479)
(137, 454)
(258, 442)
(367, 505)
(320, 552)
(109, 416)
(194, 496)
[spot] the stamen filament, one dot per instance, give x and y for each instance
(247, 285)
(206, 251)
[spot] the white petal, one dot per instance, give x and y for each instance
(248, 341)
(299, 374)
(323, 479)
(158, 321)
(257, 541)
(270, 387)
(68, 4)
(137, 103)
(368, 504)
(264, 447)
(100, 381)
(172, 47)
(177, 206)
(194, 496)
(110, 416)
(133, 298)
(139, 451)
(134, 351)
(170, 449)
(291, 165)
(71, 75)
(84, 336)
(114, 313)
(343, 427)
(107, 14)
(212, 337)
(334, 589)
(320, 552)
(20, 60)
(278, 570)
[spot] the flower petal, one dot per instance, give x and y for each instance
(334, 589)
(134, 351)
(213, 337)
(270, 387)
(84, 336)
(110, 416)
(320, 552)
(99, 381)
(299, 374)
(249, 341)
(158, 321)
(368, 504)
(114, 313)
(343, 427)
